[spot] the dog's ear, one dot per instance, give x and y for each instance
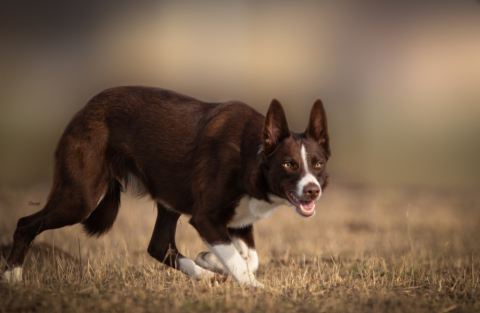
(275, 128)
(317, 128)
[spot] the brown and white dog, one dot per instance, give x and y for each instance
(222, 164)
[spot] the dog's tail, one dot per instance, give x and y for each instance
(102, 218)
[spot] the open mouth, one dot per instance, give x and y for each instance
(304, 208)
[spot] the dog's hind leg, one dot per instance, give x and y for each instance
(66, 206)
(163, 248)
(82, 183)
(242, 239)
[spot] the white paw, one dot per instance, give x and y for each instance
(255, 283)
(248, 279)
(188, 267)
(204, 274)
(209, 261)
(13, 276)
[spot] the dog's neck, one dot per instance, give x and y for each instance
(254, 162)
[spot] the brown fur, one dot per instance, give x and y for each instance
(193, 157)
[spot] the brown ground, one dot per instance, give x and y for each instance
(366, 250)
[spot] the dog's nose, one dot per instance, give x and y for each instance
(311, 190)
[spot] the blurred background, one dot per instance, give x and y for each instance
(400, 80)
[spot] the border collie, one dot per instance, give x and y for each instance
(224, 165)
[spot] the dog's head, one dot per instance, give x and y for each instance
(294, 164)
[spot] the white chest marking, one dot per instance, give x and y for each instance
(308, 177)
(250, 210)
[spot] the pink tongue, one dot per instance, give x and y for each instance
(307, 205)
(306, 209)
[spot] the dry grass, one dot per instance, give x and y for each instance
(362, 252)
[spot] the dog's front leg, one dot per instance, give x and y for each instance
(163, 247)
(217, 239)
(234, 264)
(242, 239)
(209, 261)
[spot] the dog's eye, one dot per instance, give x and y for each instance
(287, 164)
(318, 165)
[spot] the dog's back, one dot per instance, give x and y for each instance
(158, 141)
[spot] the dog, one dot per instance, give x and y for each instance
(224, 165)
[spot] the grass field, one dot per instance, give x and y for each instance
(366, 250)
